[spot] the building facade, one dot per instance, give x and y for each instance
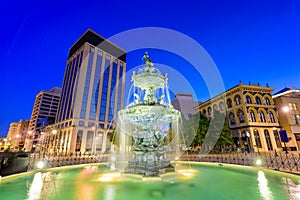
(17, 134)
(184, 102)
(92, 94)
(287, 103)
(251, 116)
(43, 113)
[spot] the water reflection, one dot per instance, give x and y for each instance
(291, 188)
(43, 186)
(36, 187)
(109, 192)
(263, 187)
(86, 190)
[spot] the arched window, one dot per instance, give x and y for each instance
(257, 100)
(204, 112)
(222, 106)
(257, 138)
(267, 101)
(209, 110)
(231, 118)
(268, 139)
(261, 116)
(252, 116)
(277, 138)
(248, 100)
(229, 103)
(237, 99)
(215, 107)
(271, 116)
(241, 116)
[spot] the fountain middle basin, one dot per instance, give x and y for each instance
(194, 181)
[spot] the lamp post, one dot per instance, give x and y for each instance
(17, 142)
(246, 136)
(29, 141)
(42, 143)
(283, 134)
(94, 128)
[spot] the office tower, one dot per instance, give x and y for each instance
(92, 94)
(43, 113)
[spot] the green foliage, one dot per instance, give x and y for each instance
(195, 130)
(222, 131)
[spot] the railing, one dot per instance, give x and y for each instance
(63, 160)
(277, 161)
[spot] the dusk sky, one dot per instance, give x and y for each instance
(254, 40)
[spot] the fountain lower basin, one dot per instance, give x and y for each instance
(194, 181)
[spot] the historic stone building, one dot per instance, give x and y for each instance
(251, 115)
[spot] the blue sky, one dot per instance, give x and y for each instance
(258, 40)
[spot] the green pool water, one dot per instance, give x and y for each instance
(193, 181)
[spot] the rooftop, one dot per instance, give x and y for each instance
(97, 40)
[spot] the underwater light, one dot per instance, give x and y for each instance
(109, 177)
(186, 172)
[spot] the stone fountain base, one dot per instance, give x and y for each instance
(150, 162)
(149, 168)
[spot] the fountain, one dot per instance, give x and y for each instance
(146, 147)
(147, 121)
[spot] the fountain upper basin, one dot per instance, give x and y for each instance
(149, 115)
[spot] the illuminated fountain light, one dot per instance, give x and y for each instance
(258, 162)
(40, 164)
(108, 177)
(188, 173)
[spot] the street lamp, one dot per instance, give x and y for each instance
(283, 135)
(94, 128)
(246, 136)
(28, 143)
(17, 142)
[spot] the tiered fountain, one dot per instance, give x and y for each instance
(144, 125)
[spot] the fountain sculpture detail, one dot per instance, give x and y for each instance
(149, 117)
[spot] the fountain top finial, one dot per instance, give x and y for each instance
(148, 62)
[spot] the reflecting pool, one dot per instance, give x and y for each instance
(192, 181)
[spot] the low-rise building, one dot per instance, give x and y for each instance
(184, 102)
(251, 116)
(17, 134)
(287, 103)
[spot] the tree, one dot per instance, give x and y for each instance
(195, 129)
(224, 138)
